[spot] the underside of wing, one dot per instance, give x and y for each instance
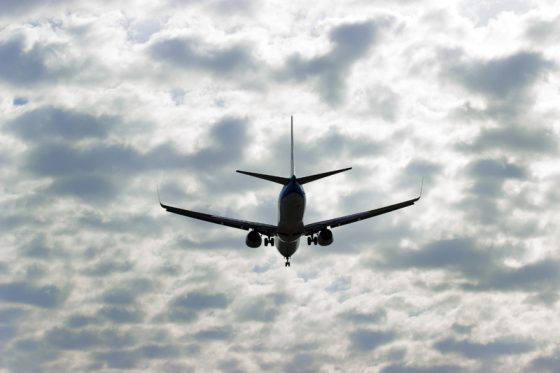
(266, 229)
(313, 228)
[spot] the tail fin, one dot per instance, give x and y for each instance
(293, 171)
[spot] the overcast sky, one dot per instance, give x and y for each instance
(100, 103)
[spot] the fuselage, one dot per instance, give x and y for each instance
(291, 207)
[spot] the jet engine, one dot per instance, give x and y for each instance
(253, 239)
(325, 237)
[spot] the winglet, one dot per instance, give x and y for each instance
(421, 187)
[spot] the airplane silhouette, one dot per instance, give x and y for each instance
(291, 207)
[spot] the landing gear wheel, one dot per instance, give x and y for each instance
(315, 240)
(266, 241)
(309, 240)
(271, 241)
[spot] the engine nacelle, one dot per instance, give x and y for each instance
(253, 239)
(325, 237)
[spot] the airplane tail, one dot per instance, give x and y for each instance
(286, 180)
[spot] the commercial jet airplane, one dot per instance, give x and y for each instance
(291, 207)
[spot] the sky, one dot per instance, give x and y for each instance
(100, 103)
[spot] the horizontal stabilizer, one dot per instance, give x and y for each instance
(310, 178)
(276, 179)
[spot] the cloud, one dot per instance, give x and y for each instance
(354, 317)
(475, 350)
(52, 123)
(546, 363)
(187, 53)
(500, 78)
(365, 340)
(187, 307)
(21, 66)
(514, 139)
(213, 334)
(422, 369)
(263, 308)
(481, 268)
(48, 296)
(350, 42)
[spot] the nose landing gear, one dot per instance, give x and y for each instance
(287, 262)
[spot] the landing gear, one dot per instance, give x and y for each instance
(312, 240)
(266, 241)
(287, 262)
(269, 241)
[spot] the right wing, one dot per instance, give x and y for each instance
(266, 229)
(313, 228)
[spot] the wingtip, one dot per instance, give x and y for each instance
(421, 188)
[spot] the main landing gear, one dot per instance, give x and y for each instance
(287, 262)
(312, 240)
(269, 241)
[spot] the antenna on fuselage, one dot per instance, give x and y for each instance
(292, 143)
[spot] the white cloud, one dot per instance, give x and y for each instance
(100, 103)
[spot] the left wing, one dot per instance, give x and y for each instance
(313, 228)
(266, 229)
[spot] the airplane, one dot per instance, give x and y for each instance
(291, 207)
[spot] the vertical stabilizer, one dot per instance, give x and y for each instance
(292, 147)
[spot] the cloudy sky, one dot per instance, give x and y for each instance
(100, 103)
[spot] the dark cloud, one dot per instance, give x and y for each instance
(302, 363)
(540, 276)
(482, 268)
(90, 188)
(48, 296)
(79, 321)
(481, 351)
(549, 364)
(419, 169)
(499, 78)
(263, 308)
(494, 169)
(542, 31)
(355, 317)
(119, 359)
(514, 139)
(201, 301)
(186, 53)
(121, 315)
(422, 369)
(21, 66)
(127, 293)
(71, 340)
(11, 315)
(187, 307)
(489, 176)
(58, 159)
(107, 267)
(94, 172)
(365, 340)
(460, 254)
(13, 7)
(350, 42)
(213, 334)
(48, 123)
